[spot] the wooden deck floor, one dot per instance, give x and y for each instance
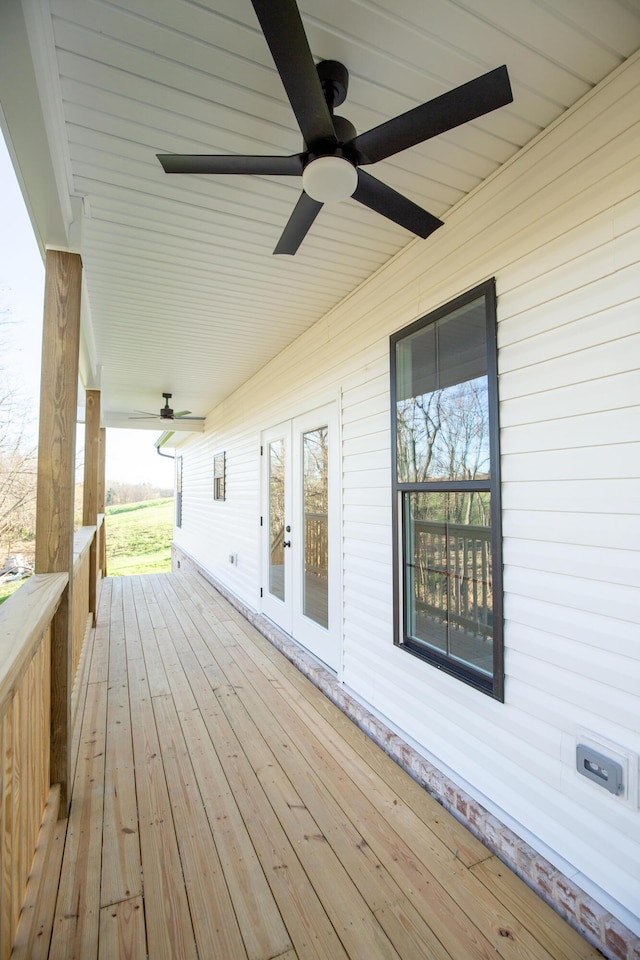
(224, 809)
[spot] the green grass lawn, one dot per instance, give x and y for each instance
(138, 540)
(139, 537)
(6, 589)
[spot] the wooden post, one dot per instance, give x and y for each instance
(101, 470)
(90, 489)
(102, 493)
(56, 484)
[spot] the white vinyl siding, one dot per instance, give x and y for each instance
(558, 227)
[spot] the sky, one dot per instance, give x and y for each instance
(131, 456)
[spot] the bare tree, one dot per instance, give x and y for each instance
(118, 492)
(18, 460)
(444, 435)
(419, 423)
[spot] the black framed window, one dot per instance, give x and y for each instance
(219, 476)
(178, 491)
(446, 507)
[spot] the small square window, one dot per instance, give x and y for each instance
(219, 476)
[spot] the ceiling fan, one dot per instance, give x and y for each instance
(333, 155)
(166, 413)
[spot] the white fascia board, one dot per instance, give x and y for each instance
(163, 439)
(23, 123)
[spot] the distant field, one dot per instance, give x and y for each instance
(139, 537)
(138, 540)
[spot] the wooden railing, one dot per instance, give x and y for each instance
(316, 543)
(452, 574)
(25, 621)
(316, 550)
(25, 720)
(88, 570)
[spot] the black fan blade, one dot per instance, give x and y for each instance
(304, 213)
(259, 166)
(391, 204)
(467, 102)
(284, 33)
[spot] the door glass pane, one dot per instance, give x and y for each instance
(178, 491)
(448, 574)
(315, 498)
(442, 410)
(276, 519)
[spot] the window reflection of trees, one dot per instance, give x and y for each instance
(316, 470)
(444, 435)
(316, 500)
(276, 518)
(316, 524)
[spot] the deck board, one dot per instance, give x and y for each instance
(77, 917)
(224, 808)
(121, 865)
(122, 935)
(168, 922)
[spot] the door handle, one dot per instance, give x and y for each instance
(286, 543)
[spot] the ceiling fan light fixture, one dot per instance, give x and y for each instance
(329, 179)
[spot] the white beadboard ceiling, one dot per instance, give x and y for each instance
(182, 291)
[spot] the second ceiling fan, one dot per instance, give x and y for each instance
(333, 155)
(166, 412)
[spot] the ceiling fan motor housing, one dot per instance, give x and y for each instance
(166, 413)
(334, 78)
(345, 130)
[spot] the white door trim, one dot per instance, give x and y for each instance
(323, 643)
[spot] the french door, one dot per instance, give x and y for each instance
(300, 531)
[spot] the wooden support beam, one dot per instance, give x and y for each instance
(102, 461)
(91, 487)
(56, 484)
(91, 459)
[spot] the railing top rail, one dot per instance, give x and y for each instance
(24, 617)
(455, 529)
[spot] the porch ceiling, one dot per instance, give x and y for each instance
(182, 291)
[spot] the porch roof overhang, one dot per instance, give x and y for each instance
(181, 290)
